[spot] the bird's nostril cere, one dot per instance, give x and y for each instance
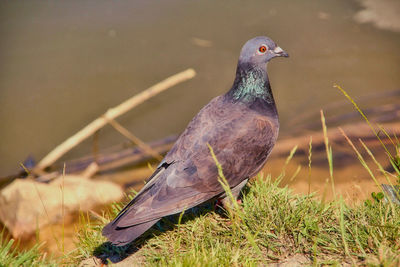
(280, 52)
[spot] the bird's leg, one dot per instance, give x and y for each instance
(225, 201)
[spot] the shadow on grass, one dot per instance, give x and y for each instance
(109, 253)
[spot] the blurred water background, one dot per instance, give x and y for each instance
(63, 63)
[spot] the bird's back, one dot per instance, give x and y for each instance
(241, 136)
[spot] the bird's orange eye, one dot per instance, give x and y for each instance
(262, 49)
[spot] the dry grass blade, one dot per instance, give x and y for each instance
(364, 116)
(288, 159)
(360, 157)
(382, 170)
(309, 164)
(63, 211)
(45, 211)
(328, 152)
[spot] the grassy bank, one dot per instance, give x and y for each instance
(272, 225)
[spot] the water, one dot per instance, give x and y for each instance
(62, 64)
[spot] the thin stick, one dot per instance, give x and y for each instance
(95, 145)
(125, 132)
(112, 113)
(90, 170)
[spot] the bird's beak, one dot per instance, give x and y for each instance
(279, 52)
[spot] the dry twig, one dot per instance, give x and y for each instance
(111, 114)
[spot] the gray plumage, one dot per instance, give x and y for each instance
(241, 126)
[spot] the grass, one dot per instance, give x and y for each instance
(11, 256)
(271, 225)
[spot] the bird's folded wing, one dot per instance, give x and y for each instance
(189, 176)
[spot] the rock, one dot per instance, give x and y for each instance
(26, 205)
(133, 260)
(293, 261)
(384, 14)
(91, 262)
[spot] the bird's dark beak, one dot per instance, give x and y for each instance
(279, 52)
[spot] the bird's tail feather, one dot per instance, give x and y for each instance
(123, 236)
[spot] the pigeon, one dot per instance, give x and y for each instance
(241, 126)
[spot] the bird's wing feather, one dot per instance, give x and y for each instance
(241, 141)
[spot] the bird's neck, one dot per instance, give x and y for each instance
(251, 84)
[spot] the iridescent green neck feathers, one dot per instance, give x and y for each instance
(251, 84)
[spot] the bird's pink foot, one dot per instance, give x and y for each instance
(220, 203)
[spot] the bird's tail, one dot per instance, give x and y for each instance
(122, 236)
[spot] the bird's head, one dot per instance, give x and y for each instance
(260, 50)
